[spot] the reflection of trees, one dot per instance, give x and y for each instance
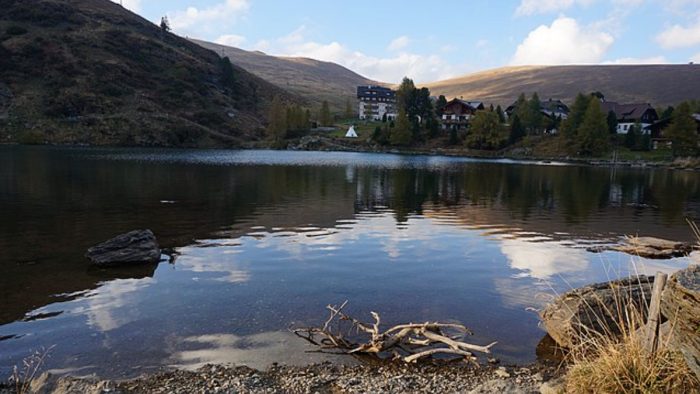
(56, 203)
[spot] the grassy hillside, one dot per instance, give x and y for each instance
(312, 79)
(89, 71)
(655, 84)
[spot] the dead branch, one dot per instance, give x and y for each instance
(407, 342)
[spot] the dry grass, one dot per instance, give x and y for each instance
(624, 365)
(23, 377)
(608, 362)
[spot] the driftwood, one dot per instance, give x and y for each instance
(651, 329)
(406, 342)
(680, 304)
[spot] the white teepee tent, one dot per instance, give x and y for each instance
(351, 133)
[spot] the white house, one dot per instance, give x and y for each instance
(629, 115)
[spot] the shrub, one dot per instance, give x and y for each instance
(16, 31)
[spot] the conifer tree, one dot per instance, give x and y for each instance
(683, 132)
(324, 115)
(516, 130)
(402, 134)
(593, 137)
(277, 128)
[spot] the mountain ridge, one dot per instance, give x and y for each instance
(315, 80)
(659, 85)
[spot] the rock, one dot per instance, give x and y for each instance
(136, 247)
(555, 386)
(594, 308)
(654, 248)
(502, 373)
(499, 386)
(680, 304)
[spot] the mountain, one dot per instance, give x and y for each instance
(659, 85)
(89, 71)
(312, 79)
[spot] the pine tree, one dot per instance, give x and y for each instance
(516, 130)
(683, 131)
(612, 123)
(501, 114)
(228, 78)
(486, 131)
(324, 115)
(348, 110)
(277, 128)
(575, 119)
(632, 137)
(165, 24)
(402, 134)
(534, 114)
(440, 105)
(593, 134)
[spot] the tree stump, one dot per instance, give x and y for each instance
(680, 304)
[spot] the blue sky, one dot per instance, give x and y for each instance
(387, 39)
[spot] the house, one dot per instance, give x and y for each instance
(457, 113)
(553, 109)
(630, 114)
(375, 102)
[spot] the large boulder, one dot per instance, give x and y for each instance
(654, 248)
(595, 308)
(136, 247)
(680, 304)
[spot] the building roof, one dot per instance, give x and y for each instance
(473, 104)
(626, 111)
(374, 91)
(549, 107)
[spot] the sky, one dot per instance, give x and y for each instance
(386, 40)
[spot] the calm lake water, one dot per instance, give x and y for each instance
(266, 239)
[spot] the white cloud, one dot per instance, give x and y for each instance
(678, 36)
(399, 43)
(422, 68)
(231, 40)
(200, 21)
(636, 60)
(564, 42)
(696, 58)
(483, 43)
(132, 5)
(543, 260)
(531, 7)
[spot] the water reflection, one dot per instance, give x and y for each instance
(267, 239)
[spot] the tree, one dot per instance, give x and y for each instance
(228, 78)
(534, 114)
(486, 131)
(324, 115)
(165, 24)
(501, 114)
(612, 123)
(440, 105)
(348, 110)
(667, 113)
(683, 131)
(406, 97)
(593, 133)
(632, 137)
(277, 128)
(516, 130)
(401, 135)
(575, 119)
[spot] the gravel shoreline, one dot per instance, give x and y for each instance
(321, 378)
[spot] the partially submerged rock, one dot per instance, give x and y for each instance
(595, 308)
(654, 248)
(680, 304)
(136, 247)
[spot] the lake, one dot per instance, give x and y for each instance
(264, 240)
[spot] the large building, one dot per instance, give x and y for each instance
(376, 102)
(630, 114)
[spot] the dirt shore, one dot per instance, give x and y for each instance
(320, 378)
